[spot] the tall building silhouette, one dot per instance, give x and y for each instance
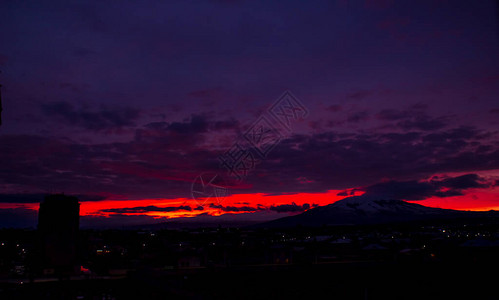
(58, 226)
(1, 109)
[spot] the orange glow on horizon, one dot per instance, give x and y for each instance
(473, 200)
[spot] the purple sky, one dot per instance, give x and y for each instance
(136, 98)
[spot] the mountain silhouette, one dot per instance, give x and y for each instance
(361, 210)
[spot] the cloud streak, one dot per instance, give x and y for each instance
(103, 119)
(146, 209)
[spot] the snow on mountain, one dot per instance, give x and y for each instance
(364, 210)
(373, 206)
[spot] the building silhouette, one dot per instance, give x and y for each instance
(58, 227)
(1, 108)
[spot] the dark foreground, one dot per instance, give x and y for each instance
(367, 280)
(450, 260)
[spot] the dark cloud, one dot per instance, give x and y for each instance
(183, 136)
(404, 190)
(37, 198)
(350, 192)
(146, 166)
(196, 124)
(162, 157)
(393, 114)
(331, 160)
(104, 119)
(467, 181)
(423, 123)
(284, 208)
(359, 95)
(462, 133)
(412, 119)
(226, 124)
(293, 207)
(358, 117)
(334, 108)
(146, 209)
(190, 128)
(238, 208)
(245, 208)
(420, 190)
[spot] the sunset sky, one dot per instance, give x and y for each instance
(125, 103)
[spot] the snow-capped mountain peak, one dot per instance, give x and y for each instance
(375, 205)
